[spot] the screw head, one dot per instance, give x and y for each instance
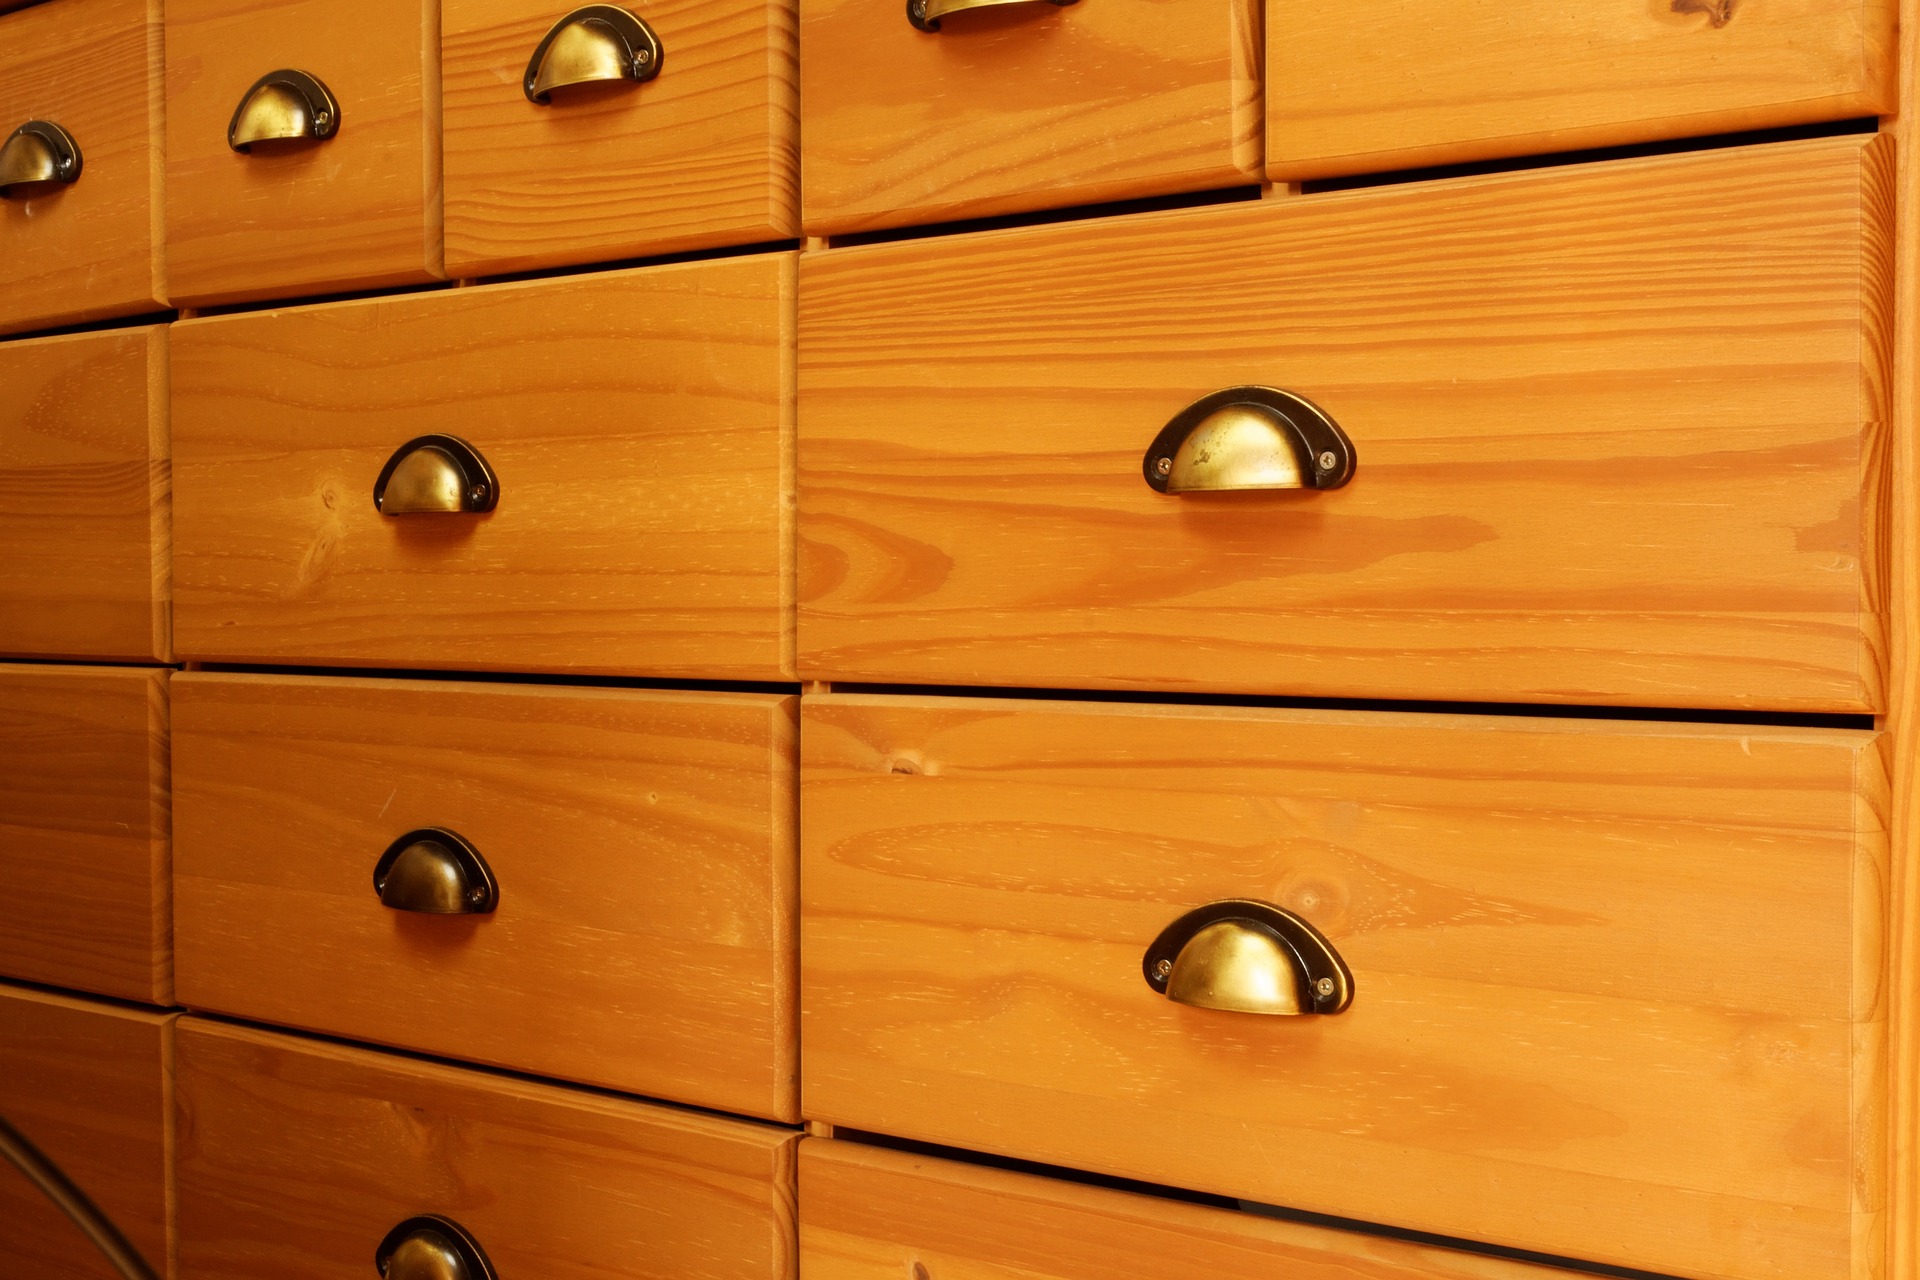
(1163, 466)
(476, 896)
(1161, 968)
(1323, 988)
(478, 493)
(642, 57)
(1327, 461)
(322, 118)
(919, 10)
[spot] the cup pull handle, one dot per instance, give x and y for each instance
(431, 1247)
(435, 872)
(283, 106)
(599, 44)
(1243, 956)
(926, 14)
(435, 475)
(37, 153)
(1249, 438)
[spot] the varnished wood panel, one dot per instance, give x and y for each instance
(705, 154)
(1618, 986)
(297, 1157)
(640, 425)
(1619, 431)
(1026, 107)
(643, 844)
(84, 830)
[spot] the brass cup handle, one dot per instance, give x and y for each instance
(436, 872)
(431, 1247)
(36, 154)
(435, 475)
(283, 106)
(926, 14)
(1249, 438)
(1243, 956)
(599, 44)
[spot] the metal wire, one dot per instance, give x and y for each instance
(95, 1225)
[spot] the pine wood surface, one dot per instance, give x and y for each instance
(297, 1157)
(84, 829)
(1024, 107)
(643, 844)
(1619, 431)
(705, 154)
(639, 423)
(1619, 987)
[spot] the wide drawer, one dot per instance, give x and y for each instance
(640, 847)
(1028, 106)
(1591, 467)
(83, 829)
(297, 1159)
(1616, 988)
(85, 246)
(703, 152)
(638, 427)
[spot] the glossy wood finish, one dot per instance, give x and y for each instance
(1619, 431)
(84, 829)
(1024, 107)
(296, 1157)
(704, 155)
(1619, 987)
(640, 424)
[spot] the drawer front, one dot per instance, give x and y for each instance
(640, 844)
(357, 209)
(1616, 988)
(84, 830)
(83, 496)
(1589, 468)
(705, 153)
(638, 425)
(89, 1085)
(89, 248)
(297, 1158)
(1029, 106)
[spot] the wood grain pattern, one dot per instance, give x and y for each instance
(1403, 84)
(297, 1157)
(1619, 431)
(704, 155)
(358, 211)
(1618, 989)
(91, 1086)
(90, 249)
(640, 426)
(643, 844)
(84, 517)
(84, 829)
(1028, 107)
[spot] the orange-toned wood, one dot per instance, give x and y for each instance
(1619, 431)
(1618, 986)
(360, 210)
(84, 830)
(705, 154)
(84, 528)
(1025, 107)
(643, 844)
(297, 1157)
(640, 426)
(1402, 84)
(90, 1086)
(92, 248)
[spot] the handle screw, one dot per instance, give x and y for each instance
(641, 57)
(919, 8)
(1162, 466)
(1327, 460)
(478, 493)
(1161, 968)
(1323, 988)
(322, 119)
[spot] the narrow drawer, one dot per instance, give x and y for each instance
(84, 244)
(297, 1159)
(703, 152)
(84, 830)
(1587, 467)
(1616, 988)
(342, 189)
(83, 497)
(1021, 106)
(637, 426)
(640, 848)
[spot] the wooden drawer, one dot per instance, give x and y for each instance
(1590, 468)
(90, 248)
(83, 497)
(1030, 106)
(83, 829)
(641, 845)
(639, 425)
(89, 1085)
(296, 1158)
(1617, 986)
(357, 209)
(703, 154)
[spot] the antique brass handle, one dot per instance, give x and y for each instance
(599, 44)
(435, 872)
(435, 475)
(926, 14)
(38, 152)
(431, 1247)
(282, 106)
(1249, 438)
(1248, 957)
